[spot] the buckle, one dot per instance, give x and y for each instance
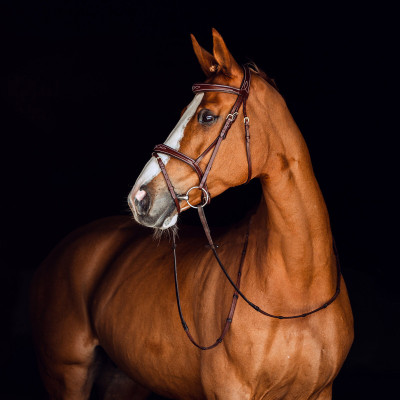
(232, 117)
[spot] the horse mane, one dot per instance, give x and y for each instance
(253, 66)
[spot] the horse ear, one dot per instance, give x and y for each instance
(207, 61)
(224, 58)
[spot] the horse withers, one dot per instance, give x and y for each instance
(104, 303)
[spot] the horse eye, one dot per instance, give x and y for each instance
(206, 117)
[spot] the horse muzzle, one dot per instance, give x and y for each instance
(152, 208)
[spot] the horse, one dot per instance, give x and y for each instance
(103, 304)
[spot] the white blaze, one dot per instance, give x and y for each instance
(152, 169)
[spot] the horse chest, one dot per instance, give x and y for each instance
(264, 360)
(257, 355)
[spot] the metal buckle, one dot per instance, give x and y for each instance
(232, 117)
(246, 120)
(186, 197)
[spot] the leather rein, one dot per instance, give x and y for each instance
(242, 94)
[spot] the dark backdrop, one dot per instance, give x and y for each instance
(89, 87)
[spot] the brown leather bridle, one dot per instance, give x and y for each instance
(242, 94)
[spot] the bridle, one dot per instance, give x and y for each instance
(242, 94)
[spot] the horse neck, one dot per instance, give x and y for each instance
(292, 219)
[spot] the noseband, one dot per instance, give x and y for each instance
(242, 94)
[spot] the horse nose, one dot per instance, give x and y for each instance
(142, 202)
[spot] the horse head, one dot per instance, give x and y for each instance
(154, 201)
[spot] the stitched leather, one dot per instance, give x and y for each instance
(235, 297)
(167, 180)
(212, 87)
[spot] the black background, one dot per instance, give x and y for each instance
(89, 87)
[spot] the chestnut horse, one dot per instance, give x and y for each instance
(103, 303)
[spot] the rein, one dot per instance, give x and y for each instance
(242, 94)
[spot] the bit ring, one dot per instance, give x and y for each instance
(206, 198)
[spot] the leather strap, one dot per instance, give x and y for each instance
(247, 136)
(168, 181)
(232, 309)
(212, 87)
(210, 162)
(251, 304)
(207, 150)
(164, 149)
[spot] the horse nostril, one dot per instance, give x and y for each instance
(142, 202)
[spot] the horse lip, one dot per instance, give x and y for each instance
(155, 221)
(169, 213)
